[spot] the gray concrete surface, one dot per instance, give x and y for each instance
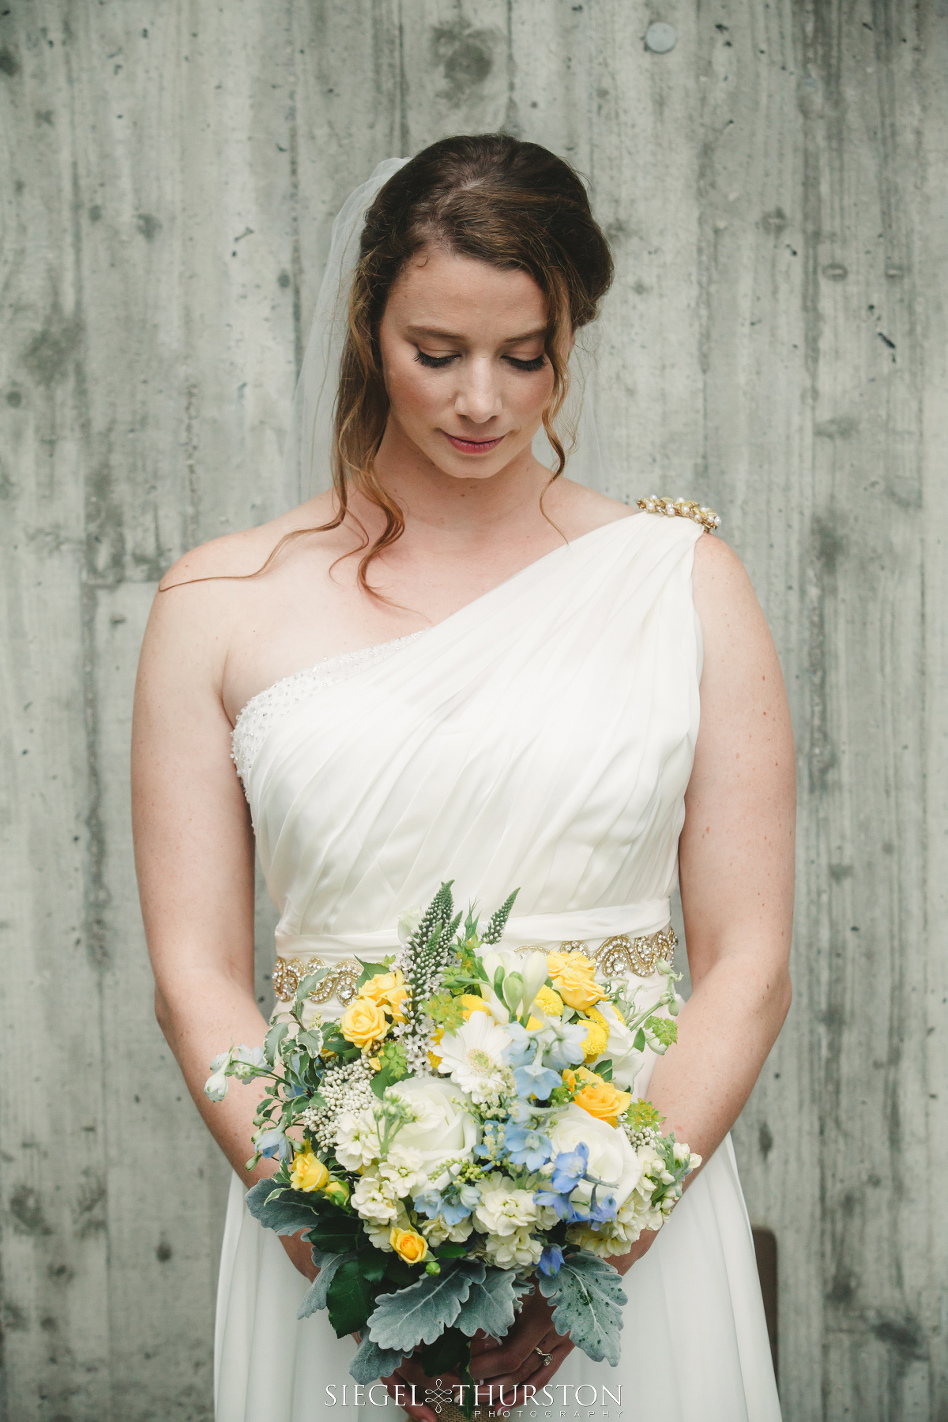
(775, 188)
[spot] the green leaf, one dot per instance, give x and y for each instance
(372, 1362)
(639, 1041)
(350, 1299)
(588, 1295)
(282, 1210)
(450, 1251)
(305, 988)
(317, 1298)
(604, 1070)
(311, 1041)
(336, 1233)
(399, 1273)
(447, 1354)
(372, 970)
(491, 1304)
(272, 1040)
(372, 1265)
(420, 1314)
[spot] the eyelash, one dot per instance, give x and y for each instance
(439, 362)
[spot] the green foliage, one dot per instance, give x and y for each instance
(337, 1232)
(491, 1304)
(450, 1353)
(445, 1010)
(642, 1115)
(394, 1067)
(373, 970)
(271, 1042)
(498, 921)
(372, 1362)
(664, 1029)
(282, 1210)
(588, 1297)
(317, 1297)
(304, 990)
(420, 1314)
(603, 1070)
(350, 1298)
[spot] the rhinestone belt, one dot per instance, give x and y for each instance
(620, 954)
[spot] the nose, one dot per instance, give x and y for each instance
(478, 397)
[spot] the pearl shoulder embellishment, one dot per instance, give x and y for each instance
(681, 508)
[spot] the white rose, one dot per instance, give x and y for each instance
(612, 1158)
(442, 1128)
(626, 1061)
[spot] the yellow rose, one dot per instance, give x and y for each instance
(549, 1002)
(573, 977)
(363, 1022)
(582, 1074)
(597, 1037)
(388, 991)
(470, 1002)
(602, 1100)
(308, 1173)
(409, 1245)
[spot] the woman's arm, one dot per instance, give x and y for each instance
(194, 856)
(736, 859)
(736, 870)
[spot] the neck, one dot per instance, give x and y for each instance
(434, 503)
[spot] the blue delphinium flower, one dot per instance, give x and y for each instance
(527, 1147)
(551, 1260)
(273, 1143)
(565, 1045)
(492, 1146)
(535, 1079)
(569, 1167)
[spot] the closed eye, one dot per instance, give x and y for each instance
(439, 362)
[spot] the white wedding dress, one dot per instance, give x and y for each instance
(543, 736)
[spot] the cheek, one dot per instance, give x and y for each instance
(410, 388)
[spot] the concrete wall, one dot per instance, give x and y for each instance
(776, 189)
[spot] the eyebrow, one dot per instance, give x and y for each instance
(438, 335)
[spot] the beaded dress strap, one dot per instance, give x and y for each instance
(681, 508)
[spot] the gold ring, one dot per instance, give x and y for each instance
(545, 1358)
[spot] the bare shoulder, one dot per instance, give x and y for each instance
(207, 593)
(579, 510)
(723, 592)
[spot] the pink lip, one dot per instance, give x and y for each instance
(473, 446)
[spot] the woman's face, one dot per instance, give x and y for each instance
(463, 360)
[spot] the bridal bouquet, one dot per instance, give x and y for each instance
(464, 1133)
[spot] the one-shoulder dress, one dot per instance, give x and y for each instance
(541, 737)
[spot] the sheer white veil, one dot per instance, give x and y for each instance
(307, 469)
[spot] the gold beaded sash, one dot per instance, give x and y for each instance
(621, 953)
(616, 955)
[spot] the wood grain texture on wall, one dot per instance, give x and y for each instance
(776, 191)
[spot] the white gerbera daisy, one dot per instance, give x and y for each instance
(473, 1057)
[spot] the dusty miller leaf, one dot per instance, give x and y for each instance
(289, 1212)
(372, 1362)
(588, 1295)
(421, 1313)
(491, 1304)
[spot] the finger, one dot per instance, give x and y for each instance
(534, 1365)
(537, 1380)
(509, 1357)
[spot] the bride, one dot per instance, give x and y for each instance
(457, 663)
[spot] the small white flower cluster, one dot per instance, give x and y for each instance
(345, 1090)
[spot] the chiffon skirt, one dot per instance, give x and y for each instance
(695, 1345)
